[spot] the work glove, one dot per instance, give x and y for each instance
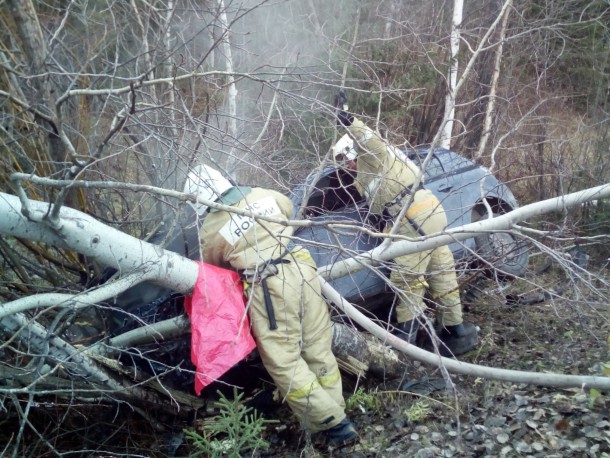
(344, 117)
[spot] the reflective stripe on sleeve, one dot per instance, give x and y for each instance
(302, 254)
(415, 208)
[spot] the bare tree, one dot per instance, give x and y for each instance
(456, 24)
(106, 105)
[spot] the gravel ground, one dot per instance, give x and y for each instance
(487, 418)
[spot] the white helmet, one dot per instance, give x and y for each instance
(345, 147)
(208, 183)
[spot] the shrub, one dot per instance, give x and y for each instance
(235, 430)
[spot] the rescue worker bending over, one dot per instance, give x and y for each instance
(290, 320)
(385, 179)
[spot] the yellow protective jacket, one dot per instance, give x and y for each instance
(226, 238)
(383, 171)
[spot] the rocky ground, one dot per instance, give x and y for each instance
(487, 418)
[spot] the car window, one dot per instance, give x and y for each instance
(435, 166)
(332, 190)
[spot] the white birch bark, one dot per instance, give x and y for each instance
(460, 367)
(232, 88)
(491, 105)
(84, 234)
(504, 222)
(466, 72)
(448, 117)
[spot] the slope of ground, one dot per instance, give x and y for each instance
(523, 327)
(482, 418)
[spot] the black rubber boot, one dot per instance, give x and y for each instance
(458, 339)
(341, 434)
(407, 331)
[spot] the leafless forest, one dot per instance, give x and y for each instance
(105, 105)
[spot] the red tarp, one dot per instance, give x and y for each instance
(220, 330)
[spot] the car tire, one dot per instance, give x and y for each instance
(501, 253)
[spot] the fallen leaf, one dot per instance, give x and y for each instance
(562, 425)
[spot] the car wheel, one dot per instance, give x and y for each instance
(500, 252)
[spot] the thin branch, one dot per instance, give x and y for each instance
(459, 367)
(76, 301)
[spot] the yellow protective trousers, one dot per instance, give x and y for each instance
(298, 353)
(433, 269)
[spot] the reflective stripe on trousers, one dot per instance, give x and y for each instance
(322, 381)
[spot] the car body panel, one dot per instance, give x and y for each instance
(458, 183)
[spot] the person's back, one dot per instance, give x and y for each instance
(241, 242)
(382, 174)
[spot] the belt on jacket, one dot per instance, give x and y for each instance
(261, 273)
(406, 191)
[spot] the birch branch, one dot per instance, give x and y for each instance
(456, 24)
(499, 223)
(76, 301)
(74, 361)
(459, 367)
(491, 105)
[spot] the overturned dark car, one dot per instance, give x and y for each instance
(465, 189)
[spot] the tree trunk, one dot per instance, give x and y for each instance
(231, 163)
(491, 104)
(361, 353)
(456, 24)
(147, 262)
(35, 49)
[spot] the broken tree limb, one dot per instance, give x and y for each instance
(86, 235)
(359, 352)
(78, 364)
(459, 367)
(74, 301)
(499, 223)
(149, 333)
(362, 351)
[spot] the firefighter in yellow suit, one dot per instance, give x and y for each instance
(289, 319)
(385, 177)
